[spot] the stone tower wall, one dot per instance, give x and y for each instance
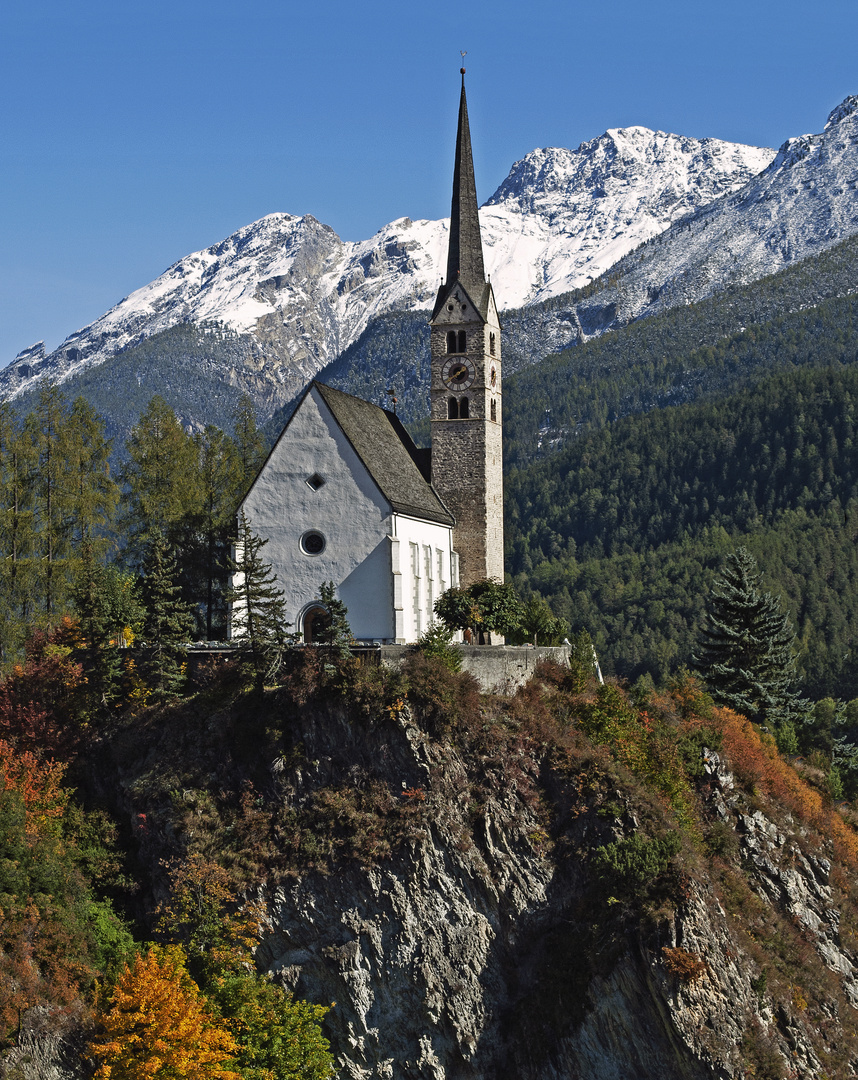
(467, 459)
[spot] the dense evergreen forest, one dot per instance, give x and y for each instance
(806, 314)
(623, 530)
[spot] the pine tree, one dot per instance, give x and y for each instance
(167, 622)
(745, 648)
(258, 613)
(93, 494)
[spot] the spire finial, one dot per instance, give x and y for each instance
(463, 54)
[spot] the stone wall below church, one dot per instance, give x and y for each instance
(498, 668)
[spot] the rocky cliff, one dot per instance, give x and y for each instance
(570, 882)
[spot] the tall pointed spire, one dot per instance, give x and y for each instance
(465, 255)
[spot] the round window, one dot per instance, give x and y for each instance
(312, 543)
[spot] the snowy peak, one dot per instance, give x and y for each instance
(296, 296)
(563, 217)
(806, 200)
(624, 159)
(846, 107)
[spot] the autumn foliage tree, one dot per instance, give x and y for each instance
(156, 1024)
(278, 1038)
(40, 698)
(54, 935)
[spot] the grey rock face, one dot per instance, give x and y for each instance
(464, 956)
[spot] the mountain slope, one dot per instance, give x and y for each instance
(805, 201)
(301, 295)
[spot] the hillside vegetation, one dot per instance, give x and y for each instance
(624, 529)
(490, 869)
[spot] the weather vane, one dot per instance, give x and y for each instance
(463, 55)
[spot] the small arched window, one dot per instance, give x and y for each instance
(492, 343)
(452, 409)
(494, 411)
(464, 408)
(463, 341)
(451, 341)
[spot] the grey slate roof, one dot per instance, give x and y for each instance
(389, 454)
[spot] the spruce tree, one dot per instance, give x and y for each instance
(258, 614)
(745, 647)
(99, 652)
(167, 622)
(332, 628)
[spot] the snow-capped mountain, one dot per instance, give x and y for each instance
(806, 200)
(300, 295)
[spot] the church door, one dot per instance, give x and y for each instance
(314, 620)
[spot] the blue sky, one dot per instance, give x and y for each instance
(135, 132)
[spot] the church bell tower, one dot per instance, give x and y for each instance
(467, 466)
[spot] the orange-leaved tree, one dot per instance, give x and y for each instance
(279, 1038)
(156, 1025)
(55, 935)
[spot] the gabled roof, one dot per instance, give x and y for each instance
(389, 454)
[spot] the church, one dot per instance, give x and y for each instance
(345, 495)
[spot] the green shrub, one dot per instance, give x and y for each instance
(628, 866)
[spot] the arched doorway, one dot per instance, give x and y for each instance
(315, 618)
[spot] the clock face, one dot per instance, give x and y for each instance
(458, 373)
(494, 376)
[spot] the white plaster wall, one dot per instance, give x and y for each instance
(438, 539)
(348, 510)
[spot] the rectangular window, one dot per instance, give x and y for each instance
(442, 585)
(430, 597)
(454, 568)
(415, 577)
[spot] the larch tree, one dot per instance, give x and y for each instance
(17, 531)
(159, 477)
(52, 497)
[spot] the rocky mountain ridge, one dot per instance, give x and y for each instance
(298, 295)
(804, 202)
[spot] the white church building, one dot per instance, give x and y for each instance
(345, 495)
(342, 498)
